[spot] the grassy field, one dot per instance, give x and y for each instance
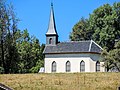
(74, 81)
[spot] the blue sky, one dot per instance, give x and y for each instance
(34, 15)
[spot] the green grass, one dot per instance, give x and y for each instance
(70, 81)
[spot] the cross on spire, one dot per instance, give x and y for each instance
(51, 4)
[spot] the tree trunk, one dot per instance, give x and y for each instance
(2, 48)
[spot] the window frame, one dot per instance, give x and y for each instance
(97, 66)
(50, 41)
(54, 67)
(68, 66)
(82, 66)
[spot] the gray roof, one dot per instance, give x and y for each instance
(73, 47)
(52, 26)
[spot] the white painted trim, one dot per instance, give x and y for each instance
(90, 45)
(97, 45)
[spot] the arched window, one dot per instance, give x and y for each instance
(50, 41)
(82, 66)
(97, 66)
(68, 66)
(54, 66)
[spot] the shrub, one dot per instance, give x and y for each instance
(1, 70)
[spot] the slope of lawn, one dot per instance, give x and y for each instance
(69, 81)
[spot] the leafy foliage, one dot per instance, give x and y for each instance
(19, 52)
(103, 26)
(30, 52)
(8, 28)
(112, 58)
(79, 31)
(1, 70)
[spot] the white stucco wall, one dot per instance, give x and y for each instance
(75, 59)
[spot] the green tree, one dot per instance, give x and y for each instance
(112, 58)
(19, 52)
(79, 31)
(40, 61)
(24, 49)
(103, 26)
(30, 53)
(108, 62)
(2, 31)
(8, 28)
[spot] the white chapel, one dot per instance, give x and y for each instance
(73, 56)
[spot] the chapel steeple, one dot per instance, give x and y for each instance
(51, 35)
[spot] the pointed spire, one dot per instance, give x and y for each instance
(52, 26)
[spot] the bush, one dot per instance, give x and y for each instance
(1, 70)
(35, 69)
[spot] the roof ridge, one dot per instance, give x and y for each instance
(75, 41)
(74, 46)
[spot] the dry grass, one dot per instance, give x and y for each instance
(74, 81)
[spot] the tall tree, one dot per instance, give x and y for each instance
(80, 31)
(19, 52)
(2, 30)
(8, 28)
(112, 58)
(31, 58)
(103, 26)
